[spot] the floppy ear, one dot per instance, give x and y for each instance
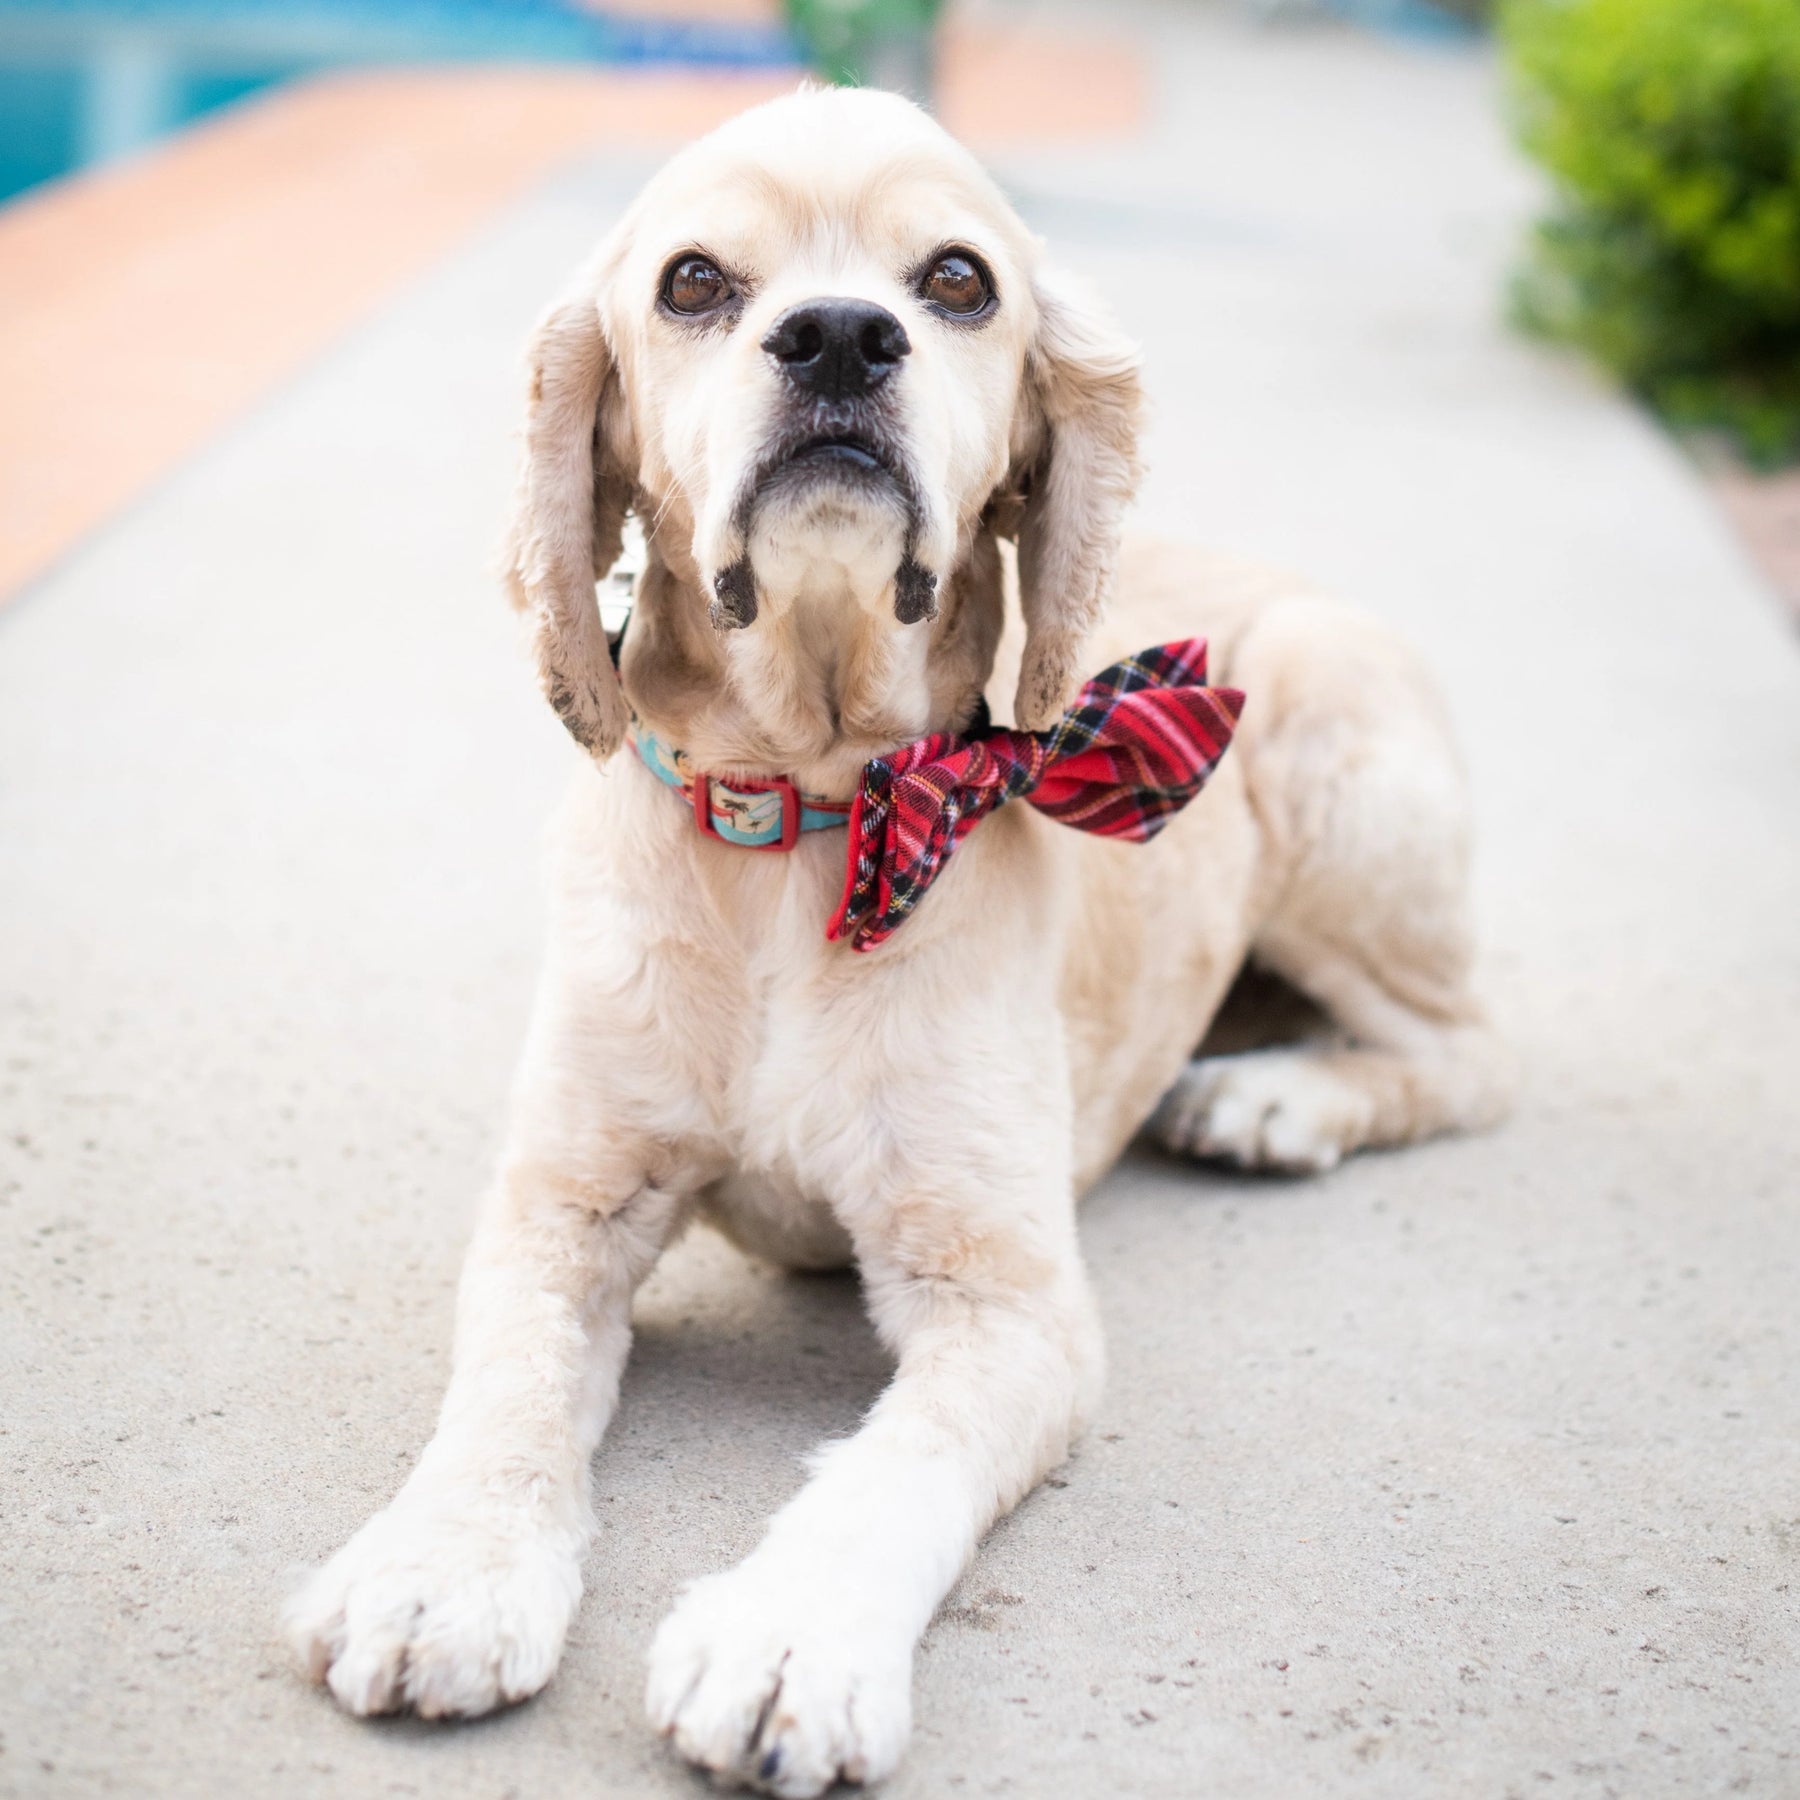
(568, 514)
(1082, 376)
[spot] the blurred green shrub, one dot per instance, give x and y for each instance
(869, 43)
(1672, 131)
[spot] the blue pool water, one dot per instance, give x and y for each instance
(84, 81)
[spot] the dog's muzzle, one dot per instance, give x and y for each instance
(835, 358)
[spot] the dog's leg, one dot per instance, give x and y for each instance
(1400, 1077)
(794, 1669)
(456, 1598)
(1374, 929)
(1365, 815)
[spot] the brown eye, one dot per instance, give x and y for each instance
(695, 285)
(957, 283)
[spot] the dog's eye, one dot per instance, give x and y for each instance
(695, 285)
(957, 283)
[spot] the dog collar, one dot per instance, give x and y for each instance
(758, 815)
(1134, 749)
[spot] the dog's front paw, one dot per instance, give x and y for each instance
(1268, 1109)
(444, 1612)
(768, 1680)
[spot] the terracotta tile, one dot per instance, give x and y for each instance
(1766, 511)
(1004, 86)
(145, 306)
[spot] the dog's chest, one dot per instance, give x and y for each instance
(816, 1041)
(788, 1123)
(800, 1070)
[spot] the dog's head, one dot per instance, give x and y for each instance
(819, 354)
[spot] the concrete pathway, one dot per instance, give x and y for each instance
(1469, 1471)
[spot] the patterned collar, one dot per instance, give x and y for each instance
(1136, 747)
(759, 815)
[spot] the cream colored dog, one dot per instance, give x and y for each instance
(821, 361)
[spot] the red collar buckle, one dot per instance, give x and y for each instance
(790, 810)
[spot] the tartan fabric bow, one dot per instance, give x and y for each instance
(1133, 750)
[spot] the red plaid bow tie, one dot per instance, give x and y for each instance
(1130, 753)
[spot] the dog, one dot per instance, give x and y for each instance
(881, 455)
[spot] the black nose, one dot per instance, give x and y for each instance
(837, 349)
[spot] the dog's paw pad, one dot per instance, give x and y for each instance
(1272, 1109)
